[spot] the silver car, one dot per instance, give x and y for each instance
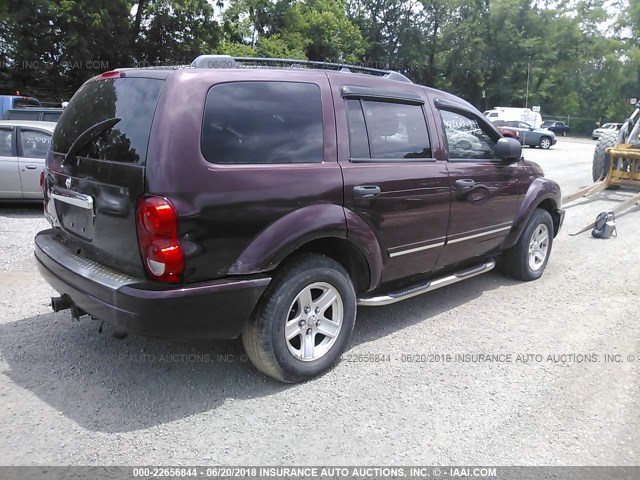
(607, 127)
(23, 147)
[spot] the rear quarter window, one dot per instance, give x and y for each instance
(263, 122)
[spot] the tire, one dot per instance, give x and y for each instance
(517, 261)
(601, 161)
(545, 143)
(297, 284)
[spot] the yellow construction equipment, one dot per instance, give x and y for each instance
(623, 163)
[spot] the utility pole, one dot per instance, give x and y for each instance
(526, 98)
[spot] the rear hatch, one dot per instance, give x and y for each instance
(96, 168)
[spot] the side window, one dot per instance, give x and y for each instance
(263, 122)
(396, 130)
(34, 144)
(51, 117)
(358, 141)
(466, 138)
(23, 115)
(6, 136)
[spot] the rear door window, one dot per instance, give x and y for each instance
(34, 144)
(396, 130)
(263, 122)
(132, 101)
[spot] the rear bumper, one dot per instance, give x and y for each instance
(216, 309)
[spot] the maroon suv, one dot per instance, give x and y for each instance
(268, 202)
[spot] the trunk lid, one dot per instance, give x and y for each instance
(96, 169)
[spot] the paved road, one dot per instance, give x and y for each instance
(69, 395)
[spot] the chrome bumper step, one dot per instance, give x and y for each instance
(424, 287)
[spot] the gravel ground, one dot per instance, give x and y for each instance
(69, 395)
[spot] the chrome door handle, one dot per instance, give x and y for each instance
(30, 167)
(464, 184)
(366, 191)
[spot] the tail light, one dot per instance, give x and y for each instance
(157, 224)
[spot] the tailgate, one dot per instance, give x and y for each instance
(96, 169)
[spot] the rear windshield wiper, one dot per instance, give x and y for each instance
(88, 135)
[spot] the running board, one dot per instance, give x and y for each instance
(419, 289)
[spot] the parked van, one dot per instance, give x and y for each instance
(515, 114)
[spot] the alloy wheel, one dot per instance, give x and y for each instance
(314, 321)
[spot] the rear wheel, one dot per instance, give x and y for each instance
(528, 258)
(545, 143)
(304, 320)
(601, 161)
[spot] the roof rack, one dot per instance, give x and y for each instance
(227, 61)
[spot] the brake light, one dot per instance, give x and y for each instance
(42, 181)
(157, 225)
(111, 74)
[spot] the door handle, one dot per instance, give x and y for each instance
(464, 184)
(30, 167)
(366, 191)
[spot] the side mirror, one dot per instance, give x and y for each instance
(508, 149)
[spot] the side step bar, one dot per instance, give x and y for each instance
(419, 289)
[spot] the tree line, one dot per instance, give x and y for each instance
(579, 60)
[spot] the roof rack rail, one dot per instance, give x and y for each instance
(227, 61)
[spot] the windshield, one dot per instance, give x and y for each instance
(132, 100)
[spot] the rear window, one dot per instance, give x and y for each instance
(263, 122)
(132, 100)
(25, 102)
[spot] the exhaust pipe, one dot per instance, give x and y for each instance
(61, 303)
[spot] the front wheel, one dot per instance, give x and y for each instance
(304, 320)
(528, 258)
(601, 161)
(545, 143)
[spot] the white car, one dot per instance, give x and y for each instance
(23, 147)
(607, 127)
